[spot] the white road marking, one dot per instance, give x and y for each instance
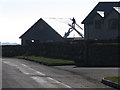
(40, 73)
(49, 82)
(44, 82)
(59, 82)
(9, 63)
(30, 71)
(24, 65)
(37, 72)
(39, 79)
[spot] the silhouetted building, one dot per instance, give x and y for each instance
(40, 32)
(103, 22)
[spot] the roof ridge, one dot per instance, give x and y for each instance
(104, 6)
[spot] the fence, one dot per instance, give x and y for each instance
(84, 53)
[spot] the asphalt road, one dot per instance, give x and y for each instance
(18, 73)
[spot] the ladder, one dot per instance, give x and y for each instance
(71, 29)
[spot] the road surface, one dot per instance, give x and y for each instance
(18, 73)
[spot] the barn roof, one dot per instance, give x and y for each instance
(101, 6)
(59, 25)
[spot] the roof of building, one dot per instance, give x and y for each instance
(101, 6)
(60, 25)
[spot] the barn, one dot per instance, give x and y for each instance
(40, 32)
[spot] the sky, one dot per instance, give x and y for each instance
(17, 16)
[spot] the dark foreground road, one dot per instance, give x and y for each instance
(17, 73)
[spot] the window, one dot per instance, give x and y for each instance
(113, 24)
(32, 41)
(98, 24)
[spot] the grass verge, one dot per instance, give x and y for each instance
(48, 60)
(114, 79)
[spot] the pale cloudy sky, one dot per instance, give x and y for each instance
(17, 16)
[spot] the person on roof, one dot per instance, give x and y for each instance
(73, 22)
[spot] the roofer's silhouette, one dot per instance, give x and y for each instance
(74, 22)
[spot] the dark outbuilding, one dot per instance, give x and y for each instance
(40, 32)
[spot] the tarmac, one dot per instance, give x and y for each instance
(94, 75)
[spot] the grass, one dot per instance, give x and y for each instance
(49, 60)
(114, 79)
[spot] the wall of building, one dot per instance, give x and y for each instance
(105, 33)
(110, 33)
(91, 32)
